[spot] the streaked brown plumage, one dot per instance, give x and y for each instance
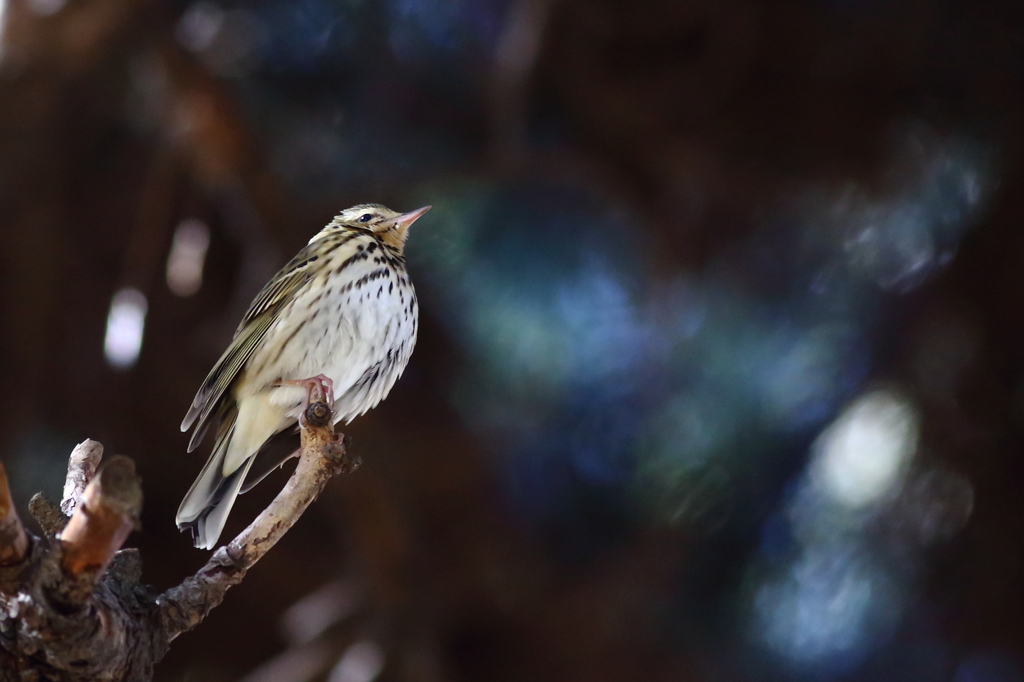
(344, 308)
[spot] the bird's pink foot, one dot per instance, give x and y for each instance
(318, 389)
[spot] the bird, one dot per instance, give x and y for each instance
(338, 323)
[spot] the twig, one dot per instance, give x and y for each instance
(323, 455)
(81, 468)
(47, 515)
(108, 511)
(13, 540)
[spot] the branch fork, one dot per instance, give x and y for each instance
(73, 609)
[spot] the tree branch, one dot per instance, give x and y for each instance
(75, 611)
(323, 455)
(108, 511)
(47, 515)
(81, 468)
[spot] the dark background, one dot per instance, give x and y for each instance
(720, 364)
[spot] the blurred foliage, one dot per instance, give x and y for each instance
(719, 375)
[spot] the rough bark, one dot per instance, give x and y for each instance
(85, 458)
(71, 605)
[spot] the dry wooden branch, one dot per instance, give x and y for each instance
(75, 610)
(81, 468)
(47, 515)
(108, 511)
(323, 455)
(69, 619)
(13, 540)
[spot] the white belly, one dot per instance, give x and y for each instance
(360, 333)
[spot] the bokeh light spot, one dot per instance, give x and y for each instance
(363, 662)
(828, 607)
(864, 454)
(187, 256)
(125, 325)
(46, 8)
(199, 25)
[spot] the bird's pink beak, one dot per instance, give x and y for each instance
(407, 219)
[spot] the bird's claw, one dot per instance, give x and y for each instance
(323, 387)
(319, 389)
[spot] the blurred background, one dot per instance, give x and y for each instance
(721, 364)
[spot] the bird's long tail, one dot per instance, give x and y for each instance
(207, 503)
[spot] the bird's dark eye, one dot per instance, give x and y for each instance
(366, 217)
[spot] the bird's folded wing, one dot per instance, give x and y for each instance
(221, 376)
(262, 313)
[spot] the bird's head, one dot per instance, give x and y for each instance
(390, 226)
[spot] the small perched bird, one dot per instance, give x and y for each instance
(338, 322)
